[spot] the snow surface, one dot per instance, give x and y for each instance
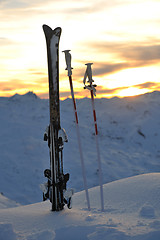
(132, 212)
(129, 136)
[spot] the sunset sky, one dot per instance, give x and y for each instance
(120, 37)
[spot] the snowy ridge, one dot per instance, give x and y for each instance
(129, 136)
(7, 203)
(132, 212)
(26, 97)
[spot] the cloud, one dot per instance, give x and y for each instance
(64, 6)
(18, 85)
(21, 10)
(108, 68)
(19, 4)
(132, 51)
(8, 4)
(36, 71)
(6, 41)
(148, 85)
(90, 6)
(13, 85)
(128, 55)
(101, 90)
(142, 53)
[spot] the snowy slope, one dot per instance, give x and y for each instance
(132, 212)
(7, 203)
(129, 136)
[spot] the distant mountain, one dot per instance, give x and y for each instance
(28, 95)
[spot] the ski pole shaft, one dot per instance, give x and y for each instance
(79, 144)
(68, 63)
(94, 113)
(73, 99)
(92, 89)
(98, 152)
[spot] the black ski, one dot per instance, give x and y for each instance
(54, 134)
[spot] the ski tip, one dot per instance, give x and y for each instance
(48, 29)
(57, 31)
(49, 32)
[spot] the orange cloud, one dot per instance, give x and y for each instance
(8, 88)
(127, 55)
(148, 85)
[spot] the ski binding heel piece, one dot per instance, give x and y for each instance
(44, 187)
(62, 134)
(46, 134)
(68, 197)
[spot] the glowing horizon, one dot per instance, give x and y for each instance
(121, 38)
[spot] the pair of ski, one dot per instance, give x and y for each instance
(56, 187)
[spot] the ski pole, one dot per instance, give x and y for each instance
(92, 89)
(69, 68)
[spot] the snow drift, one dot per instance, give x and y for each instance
(132, 212)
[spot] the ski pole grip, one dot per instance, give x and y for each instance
(89, 72)
(68, 61)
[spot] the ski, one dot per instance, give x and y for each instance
(54, 134)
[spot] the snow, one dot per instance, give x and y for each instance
(132, 211)
(7, 203)
(129, 136)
